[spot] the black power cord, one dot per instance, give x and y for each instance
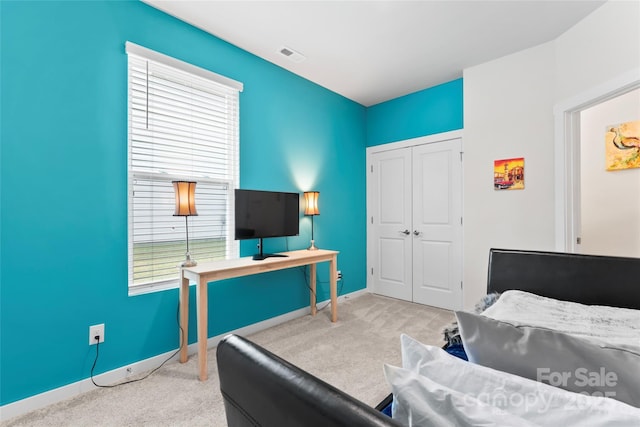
(318, 281)
(97, 338)
(306, 279)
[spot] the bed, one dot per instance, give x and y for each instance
(261, 389)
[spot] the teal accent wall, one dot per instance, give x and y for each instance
(64, 188)
(427, 112)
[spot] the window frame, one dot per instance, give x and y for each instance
(231, 179)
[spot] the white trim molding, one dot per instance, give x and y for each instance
(438, 137)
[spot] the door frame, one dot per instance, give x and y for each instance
(567, 154)
(370, 151)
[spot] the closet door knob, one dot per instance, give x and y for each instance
(416, 233)
(406, 232)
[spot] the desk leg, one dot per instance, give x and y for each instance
(333, 283)
(202, 302)
(184, 319)
(312, 285)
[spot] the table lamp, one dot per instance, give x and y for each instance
(311, 209)
(185, 206)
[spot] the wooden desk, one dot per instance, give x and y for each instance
(207, 272)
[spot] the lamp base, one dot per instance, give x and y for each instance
(312, 247)
(188, 262)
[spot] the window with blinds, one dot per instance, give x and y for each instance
(183, 125)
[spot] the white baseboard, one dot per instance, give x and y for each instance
(59, 394)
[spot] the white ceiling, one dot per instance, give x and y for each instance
(373, 51)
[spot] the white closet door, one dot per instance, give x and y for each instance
(437, 227)
(391, 222)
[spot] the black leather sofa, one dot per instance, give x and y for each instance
(262, 389)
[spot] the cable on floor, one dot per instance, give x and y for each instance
(95, 361)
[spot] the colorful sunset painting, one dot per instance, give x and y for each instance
(508, 174)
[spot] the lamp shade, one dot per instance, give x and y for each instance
(185, 198)
(311, 203)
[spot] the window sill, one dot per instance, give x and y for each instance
(153, 287)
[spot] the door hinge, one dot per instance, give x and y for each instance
(461, 284)
(372, 271)
(461, 155)
(460, 220)
(371, 168)
(371, 220)
(579, 240)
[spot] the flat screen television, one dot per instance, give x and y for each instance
(263, 214)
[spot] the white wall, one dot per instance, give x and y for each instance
(599, 48)
(610, 200)
(508, 112)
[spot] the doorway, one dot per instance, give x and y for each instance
(609, 212)
(567, 156)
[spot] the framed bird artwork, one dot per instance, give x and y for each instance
(622, 146)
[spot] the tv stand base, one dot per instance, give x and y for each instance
(261, 257)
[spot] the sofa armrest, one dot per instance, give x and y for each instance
(261, 389)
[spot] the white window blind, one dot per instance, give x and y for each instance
(183, 125)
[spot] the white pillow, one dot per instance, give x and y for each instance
(420, 402)
(486, 393)
(562, 360)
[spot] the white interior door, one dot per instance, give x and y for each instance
(437, 224)
(390, 180)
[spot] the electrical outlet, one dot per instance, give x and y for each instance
(339, 275)
(96, 330)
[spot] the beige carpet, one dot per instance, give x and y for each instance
(348, 354)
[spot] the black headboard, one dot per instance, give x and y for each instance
(587, 279)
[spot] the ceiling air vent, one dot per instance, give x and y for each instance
(291, 54)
